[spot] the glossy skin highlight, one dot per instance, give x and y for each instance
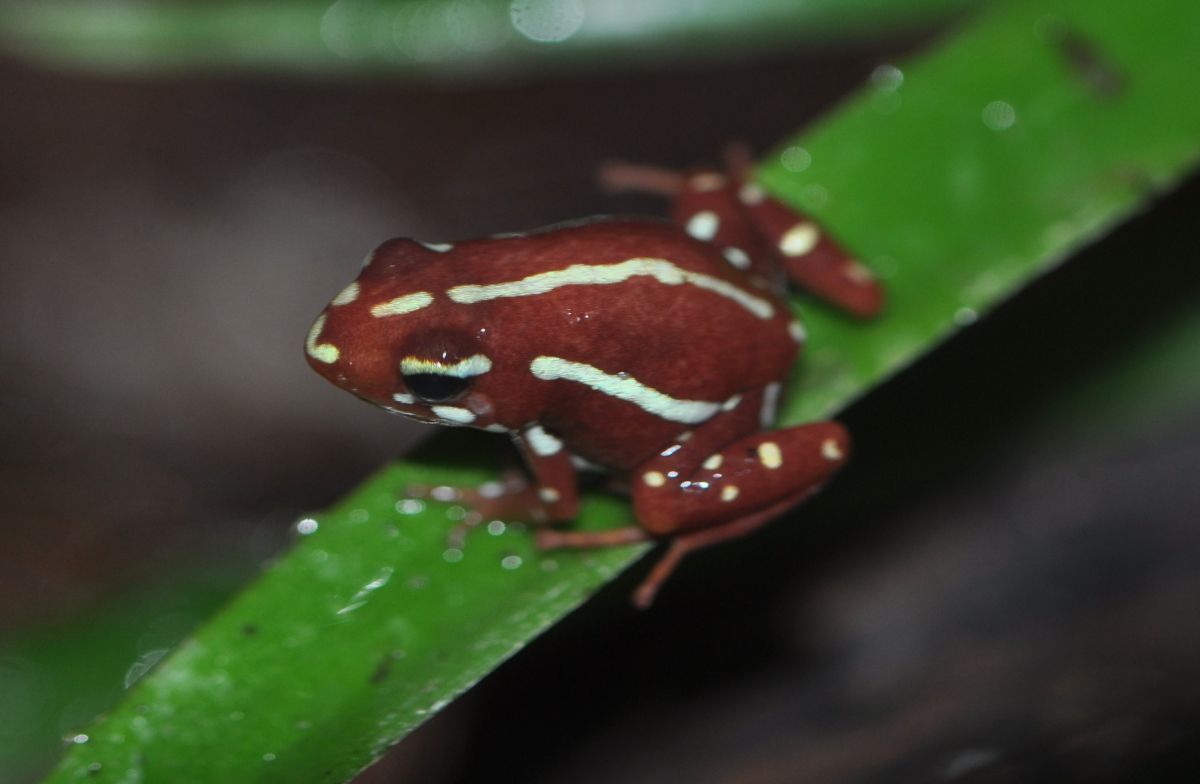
(655, 350)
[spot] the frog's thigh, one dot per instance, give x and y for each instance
(738, 479)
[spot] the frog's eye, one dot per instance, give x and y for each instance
(434, 387)
(440, 380)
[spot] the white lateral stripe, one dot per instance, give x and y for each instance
(401, 305)
(603, 274)
(624, 388)
(474, 365)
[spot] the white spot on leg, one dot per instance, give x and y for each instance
(770, 455)
(548, 495)
(800, 239)
(542, 443)
(654, 479)
(624, 388)
(703, 225)
(736, 256)
(713, 462)
(729, 492)
(347, 295)
(731, 403)
(831, 450)
(322, 352)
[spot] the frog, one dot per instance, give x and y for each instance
(654, 350)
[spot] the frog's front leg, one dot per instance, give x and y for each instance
(551, 497)
(555, 484)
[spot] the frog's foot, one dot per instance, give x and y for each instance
(551, 539)
(510, 498)
(617, 176)
(681, 545)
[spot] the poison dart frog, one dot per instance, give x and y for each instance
(654, 350)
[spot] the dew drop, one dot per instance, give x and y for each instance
(999, 115)
(410, 506)
(887, 77)
(795, 158)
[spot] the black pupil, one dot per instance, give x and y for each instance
(434, 387)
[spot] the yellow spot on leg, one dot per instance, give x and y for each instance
(800, 239)
(654, 479)
(769, 454)
(831, 450)
(713, 462)
(729, 492)
(796, 330)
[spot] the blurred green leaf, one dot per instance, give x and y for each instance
(451, 38)
(55, 678)
(959, 176)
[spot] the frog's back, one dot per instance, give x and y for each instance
(631, 296)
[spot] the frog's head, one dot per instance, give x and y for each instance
(388, 340)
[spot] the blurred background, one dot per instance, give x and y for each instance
(1002, 586)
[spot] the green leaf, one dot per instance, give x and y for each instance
(55, 678)
(960, 176)
(430, 37)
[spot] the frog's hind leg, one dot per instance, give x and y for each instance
(810, 256)
(719, 486)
